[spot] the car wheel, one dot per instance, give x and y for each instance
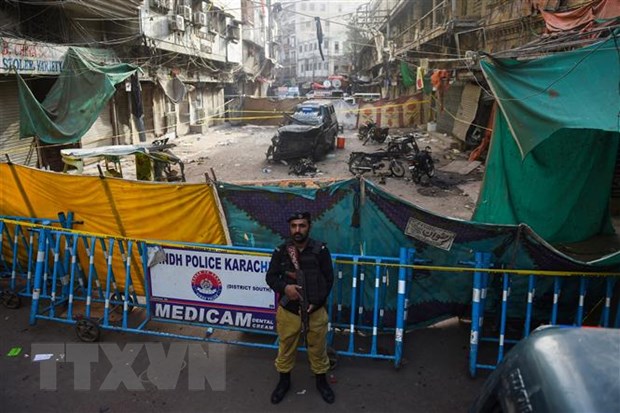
(270, 153)
(319, 153)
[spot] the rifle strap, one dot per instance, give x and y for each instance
(293, 255)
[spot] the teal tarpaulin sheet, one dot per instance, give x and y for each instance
(356, 216)
(555, 143)
(571, 90)
(82, 90)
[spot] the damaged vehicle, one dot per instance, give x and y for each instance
(310, 133)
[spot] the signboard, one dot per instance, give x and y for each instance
(435, 236)
(213, 288)
(403, 112)
(30, 58)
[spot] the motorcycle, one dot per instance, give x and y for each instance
(362, 162)
(421, 166)
(370, 131)
(403, 145)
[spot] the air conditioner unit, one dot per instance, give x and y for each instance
(171, 119)
(167, 4)
(177, 24)
(185, 11)
(200, 18)
(203, 6)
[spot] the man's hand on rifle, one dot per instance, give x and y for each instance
(292, 291)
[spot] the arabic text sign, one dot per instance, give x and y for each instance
(31, 58)
(213, 288)
(434, 236)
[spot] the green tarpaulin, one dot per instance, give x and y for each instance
(407, 75)
(82, 90)
(554, 144)
(572, 90)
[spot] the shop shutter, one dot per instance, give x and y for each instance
(466, 112)
(102, 132)
(451, 101)
(21, 151)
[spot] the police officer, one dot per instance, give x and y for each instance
(312, 257)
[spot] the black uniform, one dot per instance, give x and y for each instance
(315, 261)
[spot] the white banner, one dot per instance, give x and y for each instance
(213, 288)
(30, 58)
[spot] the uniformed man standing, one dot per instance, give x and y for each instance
(301, 253)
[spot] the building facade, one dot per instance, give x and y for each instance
(297, 41)
(188, 52)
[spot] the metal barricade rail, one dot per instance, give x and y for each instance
(98, 283)
(498, 333)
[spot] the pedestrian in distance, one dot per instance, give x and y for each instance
(301, 272)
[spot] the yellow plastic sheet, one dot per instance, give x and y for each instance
(115, 207)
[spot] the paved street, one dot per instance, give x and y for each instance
(433, 379)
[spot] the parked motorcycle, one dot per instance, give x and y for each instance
(362, 162)
(421, 166)
(370, 131)
(403, 145)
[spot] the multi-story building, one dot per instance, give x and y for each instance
(187, 52)
(297, 40)
(437, 34)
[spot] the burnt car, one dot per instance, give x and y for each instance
(311, 132)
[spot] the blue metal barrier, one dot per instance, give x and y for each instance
(481, 282)
(76, 281)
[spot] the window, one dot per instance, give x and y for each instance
(305, 47)
(301, 49)
(326, 66)
(307, 25)
(311, 6)
(303, 6)
(322, 6)
(314, 46)
(336, 47)
(326, 45)
(233, 31)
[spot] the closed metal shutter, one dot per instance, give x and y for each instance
(451, 101)
(21, 151)
(147, 105)
(466, 112)
(102, 132)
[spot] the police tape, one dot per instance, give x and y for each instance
(233, 250)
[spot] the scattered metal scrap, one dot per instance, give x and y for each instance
(303, 166)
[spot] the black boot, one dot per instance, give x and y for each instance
(326, 392)
(283, 385)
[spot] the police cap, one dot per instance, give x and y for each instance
(299, 215)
